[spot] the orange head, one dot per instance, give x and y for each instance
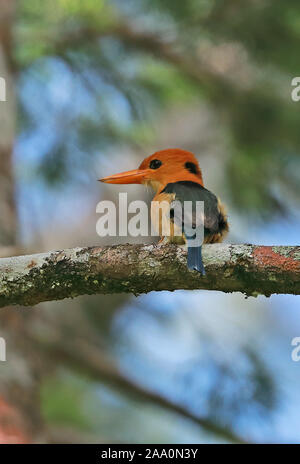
(161, 168)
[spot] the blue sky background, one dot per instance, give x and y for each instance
(157, 335)
(167, 341)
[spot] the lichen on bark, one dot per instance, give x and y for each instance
(250, 269)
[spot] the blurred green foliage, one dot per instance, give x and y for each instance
(95, 76)
(62, 401)
(127, 62)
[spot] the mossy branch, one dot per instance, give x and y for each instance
(250, 269)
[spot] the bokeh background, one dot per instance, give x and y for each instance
(93, 87)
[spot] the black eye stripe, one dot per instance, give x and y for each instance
(191, 167)
(155, 164)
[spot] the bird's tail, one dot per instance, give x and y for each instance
(194, 259)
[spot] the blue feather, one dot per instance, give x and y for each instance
(194, 259)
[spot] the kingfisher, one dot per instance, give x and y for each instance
(175, 176)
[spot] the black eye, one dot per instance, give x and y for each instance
(155, 164)
(192, 167)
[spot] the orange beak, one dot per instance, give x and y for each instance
(136, 176)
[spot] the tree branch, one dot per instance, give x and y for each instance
(90, 361)
(169, 51)
(250, 269)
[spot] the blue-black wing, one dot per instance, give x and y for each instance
(214, 220)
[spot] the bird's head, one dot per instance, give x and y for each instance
(161, 168)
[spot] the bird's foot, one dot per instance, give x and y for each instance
(163, 241)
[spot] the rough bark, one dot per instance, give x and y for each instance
(250, 269)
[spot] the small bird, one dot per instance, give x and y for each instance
(175, 176)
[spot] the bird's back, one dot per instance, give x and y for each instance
(215, 220)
